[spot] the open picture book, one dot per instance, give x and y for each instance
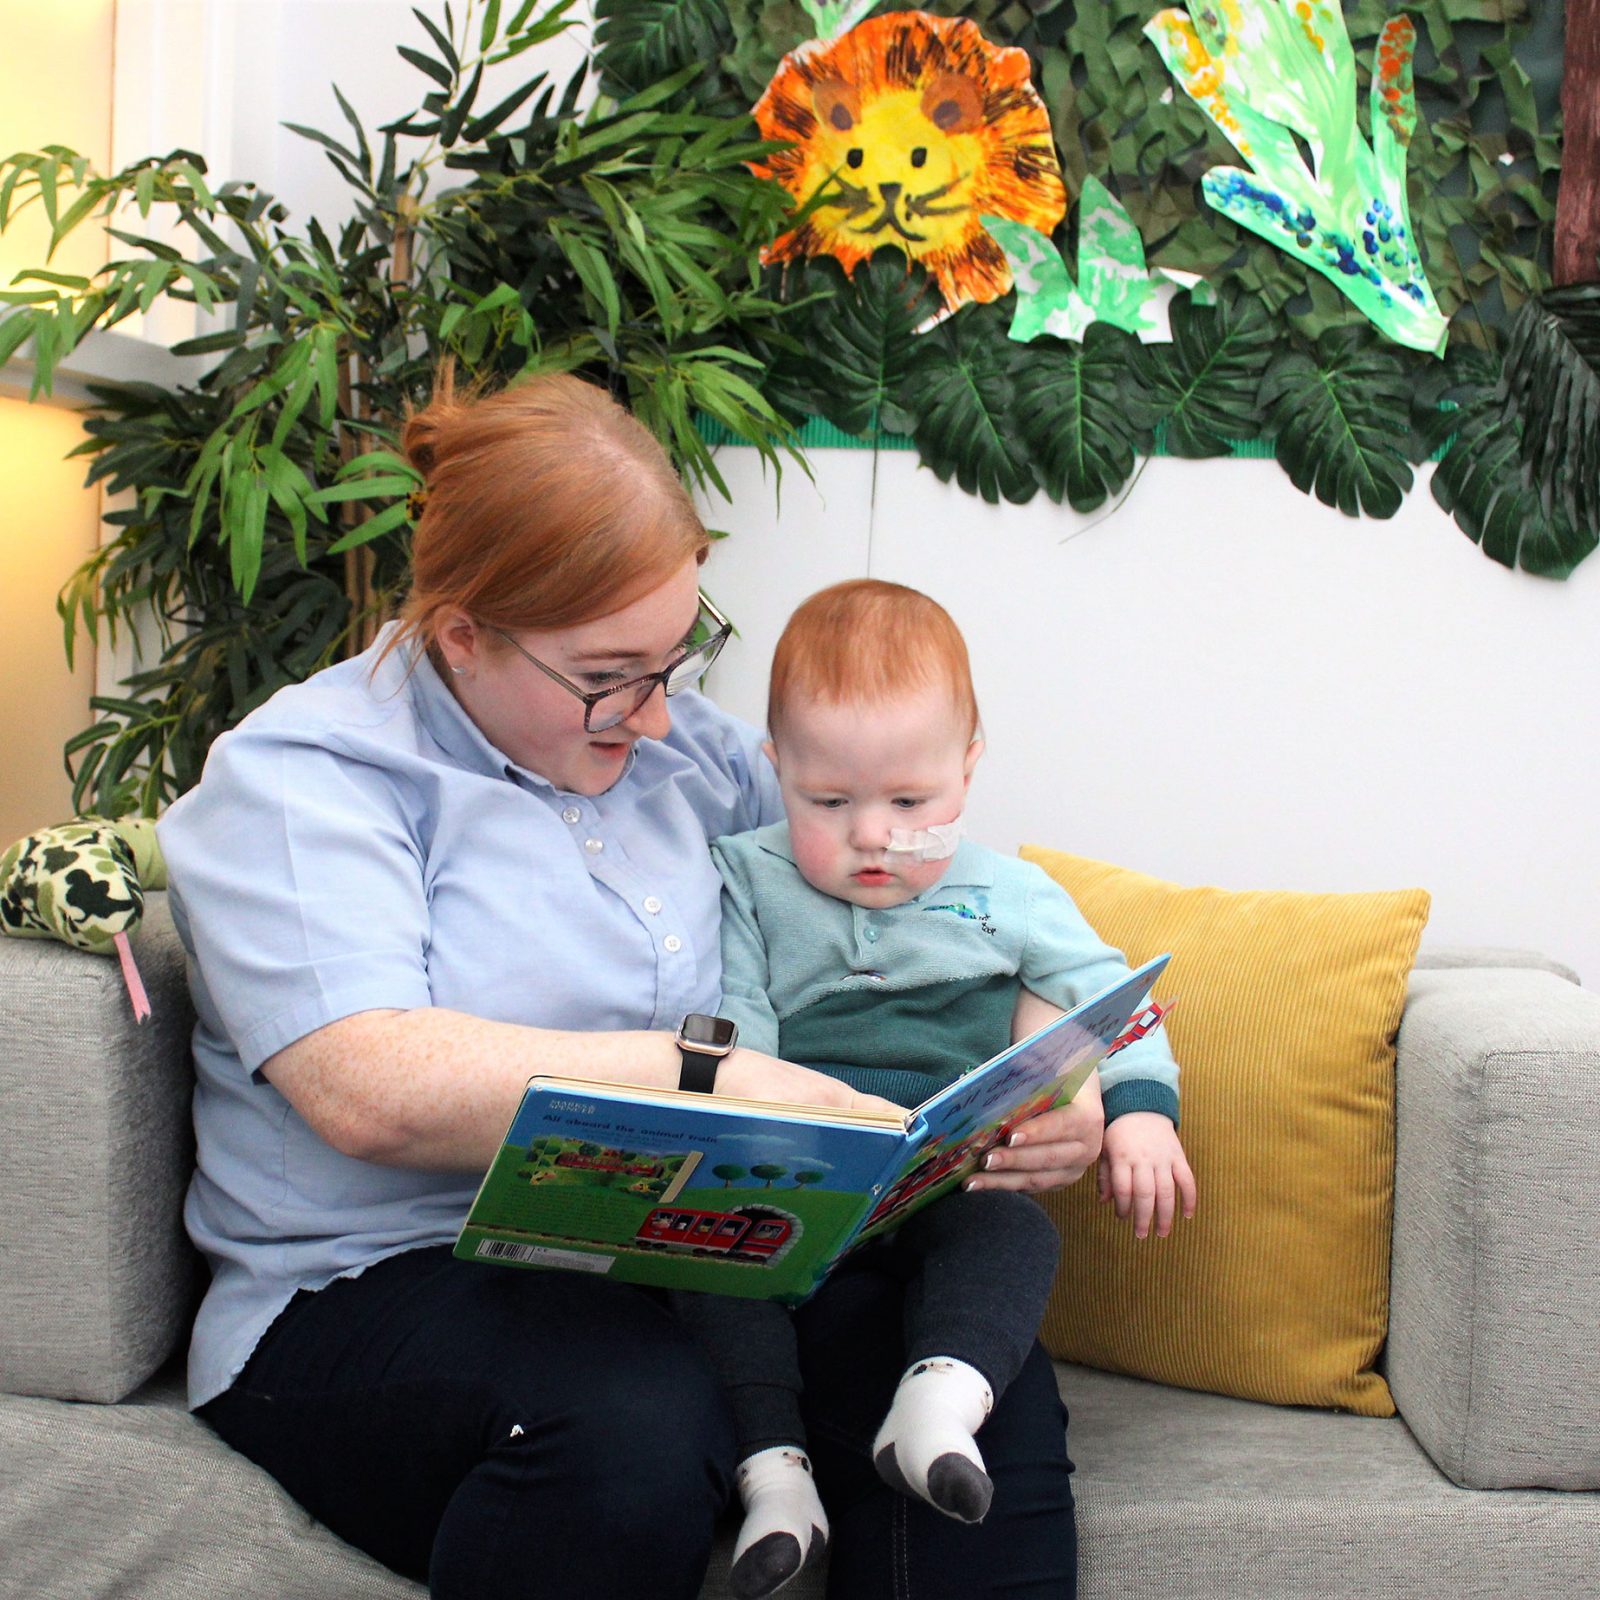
(748, 1197)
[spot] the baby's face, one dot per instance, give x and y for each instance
(851, 773)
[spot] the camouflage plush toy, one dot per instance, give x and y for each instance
(84, 883)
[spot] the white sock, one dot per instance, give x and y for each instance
(925, 1446)
(785, 1528)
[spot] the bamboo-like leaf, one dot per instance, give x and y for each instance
(639, 42)
(434, 69)
(373, 528)
(1341, 417)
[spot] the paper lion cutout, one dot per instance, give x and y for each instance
(912, 127)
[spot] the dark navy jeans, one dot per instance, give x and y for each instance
(499, 1432)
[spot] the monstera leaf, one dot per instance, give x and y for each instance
(1083, 416)
(1341, 417)
(1479, 477)
(1551, 378)
(1205, 383)
(857, 340)
(640, 42)
(960, 390)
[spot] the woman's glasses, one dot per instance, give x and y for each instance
(605, 708)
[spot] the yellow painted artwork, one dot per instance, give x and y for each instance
(914, 127)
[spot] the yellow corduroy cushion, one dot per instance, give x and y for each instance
(1278, 1288)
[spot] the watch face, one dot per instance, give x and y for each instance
(716, 1032)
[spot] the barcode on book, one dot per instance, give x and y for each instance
(541, 1255)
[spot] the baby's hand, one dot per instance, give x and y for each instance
(1143, 1169)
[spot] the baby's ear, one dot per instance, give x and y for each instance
(770, 751)
(974, 750)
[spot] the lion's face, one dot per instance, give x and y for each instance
(914, 127)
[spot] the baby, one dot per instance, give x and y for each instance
(863, 938)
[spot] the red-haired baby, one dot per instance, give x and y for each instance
(865, 938)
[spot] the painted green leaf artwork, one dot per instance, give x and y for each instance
(1279, 80)
(1113, 284)
(834, 17)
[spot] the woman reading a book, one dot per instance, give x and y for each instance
(474, 853)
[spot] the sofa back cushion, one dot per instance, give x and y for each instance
(97, 1278)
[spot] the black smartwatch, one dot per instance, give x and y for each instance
(703, 1042)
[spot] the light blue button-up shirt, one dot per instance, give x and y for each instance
(357, 844)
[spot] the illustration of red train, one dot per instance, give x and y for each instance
(747, 1233)
(609, 1161)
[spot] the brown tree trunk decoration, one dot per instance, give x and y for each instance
(1578, 197)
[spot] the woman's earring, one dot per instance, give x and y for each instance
(460, 672)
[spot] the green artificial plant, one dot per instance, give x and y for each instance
(266, 523)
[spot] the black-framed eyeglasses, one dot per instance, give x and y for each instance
(605, 708)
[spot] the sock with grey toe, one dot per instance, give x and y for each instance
(785, 1528)
(925, 1446)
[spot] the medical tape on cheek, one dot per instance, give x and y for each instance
(937, 843)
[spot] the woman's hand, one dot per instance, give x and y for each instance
(753, 1076)
(1051, 1150)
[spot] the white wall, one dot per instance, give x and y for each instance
(1227, 682)
(1223, 682)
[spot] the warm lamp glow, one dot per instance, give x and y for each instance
(48, 523)
(55, 88)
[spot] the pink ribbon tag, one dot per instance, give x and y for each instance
(131, 978)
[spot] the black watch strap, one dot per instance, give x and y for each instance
(699, 1074)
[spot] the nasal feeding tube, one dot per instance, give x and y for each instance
(937, 843)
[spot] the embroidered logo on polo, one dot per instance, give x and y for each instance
(978, 913)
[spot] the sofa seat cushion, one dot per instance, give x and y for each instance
(1190, 1496)
(1181, 1496)
(104, 1502)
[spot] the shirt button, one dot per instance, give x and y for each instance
(594, 846)
(872, 935)
(673, 943)
(652, 904)
(571, 814)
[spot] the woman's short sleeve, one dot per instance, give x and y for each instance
(298, 884)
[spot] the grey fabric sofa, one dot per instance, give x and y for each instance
(1484, 1487)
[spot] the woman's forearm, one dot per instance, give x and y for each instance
(436, 1089)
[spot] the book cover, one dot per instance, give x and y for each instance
(743, 1197)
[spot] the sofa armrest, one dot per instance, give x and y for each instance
(1493, 1355)
(97, 1278)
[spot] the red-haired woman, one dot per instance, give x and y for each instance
(478, 852)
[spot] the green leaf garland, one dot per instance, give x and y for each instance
(1206, 382)
(960, 391)
(1340, 417)
(1083, 415)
